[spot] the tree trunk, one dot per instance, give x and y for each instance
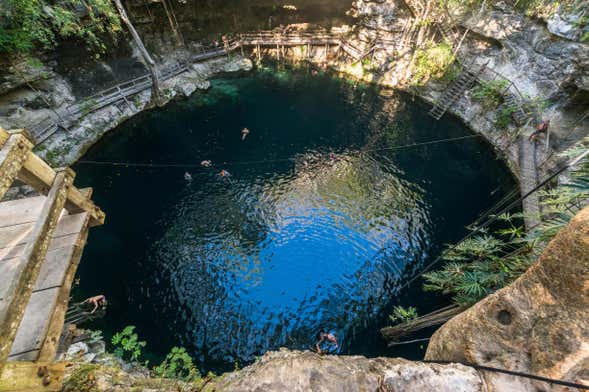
(173, 23)
(423, 28)
(155, 88)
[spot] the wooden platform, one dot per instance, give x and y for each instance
(16, 222)
(41, 242)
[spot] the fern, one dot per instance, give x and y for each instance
(403, 315)
(485, 263)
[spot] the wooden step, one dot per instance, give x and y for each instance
(55, 277)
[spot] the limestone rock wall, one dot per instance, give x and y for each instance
(297, 371)
(539, 324)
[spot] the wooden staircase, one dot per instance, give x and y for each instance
(455, 92)
(514, 104)
(41, 242)
(448, 33)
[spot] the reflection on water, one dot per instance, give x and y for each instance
(268, 260)
(319, 234)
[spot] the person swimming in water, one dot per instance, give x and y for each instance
(329, 338)
(206, 163)
(244, 133)
(224, 173)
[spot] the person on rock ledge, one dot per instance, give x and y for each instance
(97, 301)
(326, 343)
(540, 129)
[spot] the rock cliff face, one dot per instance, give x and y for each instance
(296, 371)
(547, 68)
(539, 324)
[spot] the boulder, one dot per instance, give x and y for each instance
(294, 371)
(538, 325)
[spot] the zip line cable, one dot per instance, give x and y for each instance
(229, 163)
(493, 218)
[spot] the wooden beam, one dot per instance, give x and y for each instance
(21, 376)
(3, 136)
(13, 305)
(40, 176)
(12, 157)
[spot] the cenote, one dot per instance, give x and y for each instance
(322, 218)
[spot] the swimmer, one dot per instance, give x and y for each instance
(187, 176)
(97, 301)
(225, 173)
(323, 336)
(244, 133)
(205, 163)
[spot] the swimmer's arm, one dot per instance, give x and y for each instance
(318, 348)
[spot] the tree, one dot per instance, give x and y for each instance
(155, 88)
(26, 25)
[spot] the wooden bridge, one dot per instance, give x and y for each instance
(41, 242)
(67, 117)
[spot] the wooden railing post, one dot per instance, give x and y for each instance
(13, 155)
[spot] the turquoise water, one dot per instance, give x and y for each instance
(321, 220)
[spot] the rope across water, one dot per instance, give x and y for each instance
(229, 163)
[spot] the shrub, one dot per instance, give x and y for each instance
(504, 116)
(403, 315)
(29, 24)
(127, 344)
(432, 62)
(178, 365)
(490, 93)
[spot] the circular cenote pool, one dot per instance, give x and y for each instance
(321, 220)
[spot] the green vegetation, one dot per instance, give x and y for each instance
(26, 25)
(402, 315)
(504, 116)
(127, 344)
(178, 365)
(539, 7)
(490, 93)
(432, 62)
(82, 380)
(488, 262)
(477, 267)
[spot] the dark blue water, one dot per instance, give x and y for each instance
(321, 219)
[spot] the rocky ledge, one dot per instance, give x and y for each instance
(295, 371)
(292, 371)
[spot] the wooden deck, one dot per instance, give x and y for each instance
(41, 242)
